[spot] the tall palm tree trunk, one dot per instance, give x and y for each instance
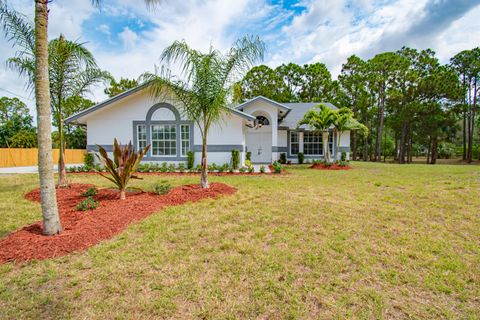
(62, 171)
(204, 178)
(51, 219)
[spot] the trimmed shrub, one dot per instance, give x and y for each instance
(343, 156)
(242, 169)
(283, 158)
(248, 156)
(163, 188)
(87, 204)
(301, 157)
(198, 168)
(277, 167)
(88, 160)
(235, 159)
(190, 159)
(262, 169)
(171, 167)
(248, 163)
(251, 169)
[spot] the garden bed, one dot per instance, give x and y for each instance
(83, 229)
(321, 166)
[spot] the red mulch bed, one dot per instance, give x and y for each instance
(320, 166)
(83, 229)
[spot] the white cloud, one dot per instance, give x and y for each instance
(104, 28)
(128, 37)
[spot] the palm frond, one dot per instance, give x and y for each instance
(17, 29)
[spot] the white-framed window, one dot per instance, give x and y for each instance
(294, 142)
(164, 140)
(312, 143)
(185, 139)
(141, 136)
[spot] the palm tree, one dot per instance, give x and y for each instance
(320, 118)
(72, 71)
(39, 45)
(207, 82)
(344, 121)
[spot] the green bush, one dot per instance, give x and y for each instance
(181, 167)
(248, 156)
(283, 158)
(342, 163)
(198, 168)
(171, 167)
(242, 169)
(251, 169)
(262, 169)
(476, 151)
(143, 167)
(88, 160)
(190, 159)
(223, 167)
(235, 159)
(212, 167)
(277, 167)
(164, 167)
(446, 150)
(90, 192)
(163, 188)
(87, 204)
(301, 157)
(343, 156)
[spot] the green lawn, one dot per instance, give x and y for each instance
(379, 241)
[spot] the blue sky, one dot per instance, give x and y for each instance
(127, 38)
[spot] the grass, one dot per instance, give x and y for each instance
(379, 241)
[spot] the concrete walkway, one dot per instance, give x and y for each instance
(31, 169)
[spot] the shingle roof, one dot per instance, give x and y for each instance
(297, 111)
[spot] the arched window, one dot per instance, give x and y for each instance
(263, 121)
(170, 137)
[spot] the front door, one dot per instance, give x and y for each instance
(259, 143)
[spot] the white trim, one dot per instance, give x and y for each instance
(278, 104)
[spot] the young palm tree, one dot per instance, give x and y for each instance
(72, 71)
(320, 118)
(207, 82)
(344, 121)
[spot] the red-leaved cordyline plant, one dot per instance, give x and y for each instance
(123, 166)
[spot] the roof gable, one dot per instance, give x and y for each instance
(126, 94)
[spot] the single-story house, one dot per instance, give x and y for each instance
(264, 127)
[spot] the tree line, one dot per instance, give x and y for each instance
(410, 102)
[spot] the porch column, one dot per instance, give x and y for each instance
(275, 155)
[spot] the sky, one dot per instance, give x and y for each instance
(127, 38)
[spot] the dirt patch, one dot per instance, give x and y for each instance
(83, 229)
(320, 166)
